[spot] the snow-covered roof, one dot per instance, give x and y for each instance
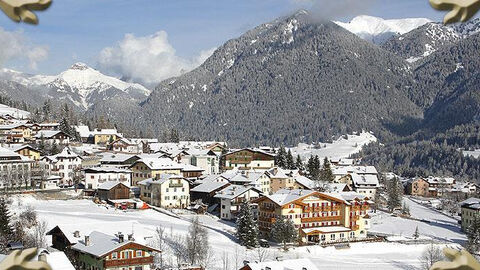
(66, 153)
(9, 155)
(108, 185)
(17, 147)
(344, 170)
(285, 196)
(84, 131)
(160, 163)
(232, 191)
(304, 181)
(256, 150)
(365, 180)
(115, 158)
(104, 169)
(208, 187)
(472, 203)
(160, 180)
(100, 244)
(440, 180)
(297, 264)
(47, 134)
(191, 168)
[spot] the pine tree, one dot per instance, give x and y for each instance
(473, 235)
(6, 229)
(299, 164)
(174, 136)
(326, 173)
(394, 193)
(290, 161)
(284, 231)
(281, 158)
(54, 148)
(247, 228)
(313, 168)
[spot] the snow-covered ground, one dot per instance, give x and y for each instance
(86, 216)
(475, 154)
(341, 148)
(440, 227)
(19, 114)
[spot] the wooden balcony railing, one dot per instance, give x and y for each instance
(128, 262)
(315, 219)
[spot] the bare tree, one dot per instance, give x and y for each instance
(262, 254)
(160, 244)
(225, 261)
(197, 243)
(431, 255)
(39, 234)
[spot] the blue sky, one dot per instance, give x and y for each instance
(78, 30)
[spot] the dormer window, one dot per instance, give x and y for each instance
(114, 255)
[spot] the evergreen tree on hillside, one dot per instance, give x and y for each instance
(284, 231)
(394, 194)
(6, 229)
(326, 173)
(416, 234)
(247, 228)
(281, 158)
(473, 235)
(174, 136)
(290, 161)
(313, 167)
(299, 164)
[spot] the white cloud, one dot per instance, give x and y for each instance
(148, 59)
(15, 46)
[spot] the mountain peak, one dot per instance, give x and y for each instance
(378, 30)
(79, 66)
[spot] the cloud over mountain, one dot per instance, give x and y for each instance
(148, 59)
(16, 47)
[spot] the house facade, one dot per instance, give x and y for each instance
(66, 164)
(96, 176)
(418, 187)
(232, 197)
(153, 168)
(470, 209)
(248, 159)
(15, 170)
(167, 191)
(319, 217)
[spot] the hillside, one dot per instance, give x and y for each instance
(284, 82)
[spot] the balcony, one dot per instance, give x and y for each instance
(355, 227)
(128, 262)
(267, 219)
(316, 219)
(175, 185)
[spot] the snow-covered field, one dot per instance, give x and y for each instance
(341, 148)
(86, 216)
(475, 154)
(440, 227)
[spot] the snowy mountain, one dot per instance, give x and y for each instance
(429, 38)
(80, 85)
(378, 30)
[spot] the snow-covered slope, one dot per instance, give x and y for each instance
(80, 84)
(341, 148)
(378, 30)
(19, 114)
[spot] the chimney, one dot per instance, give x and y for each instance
(120, 237)
(87, 240)
(76, 234)
(42, 257)
(130, 237)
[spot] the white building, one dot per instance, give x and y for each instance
(232, 197)
(66, 164)
(167, 191)
(15, 169)
(97, 176)
(205, 159)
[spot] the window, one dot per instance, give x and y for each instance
(322, 237)
(114, 255)
(332, 237)
(126, 255)
(352, 234)
(139, 253)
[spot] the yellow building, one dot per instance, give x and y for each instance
(280, 179)
(153, 168)
(168, 191)
(470, 210)
(104, 138)
(25, 150)
(319, 217)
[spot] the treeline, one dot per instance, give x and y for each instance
(421, 158)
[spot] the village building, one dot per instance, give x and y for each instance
(365, 184)
(96, 176)
(417, 187)
(66, 164)
(280, 180)
(248, 159)
(438, 186)
(207, 190)
(103, 251)
(15, 170)
(50, 182)
(97, 136)
(232, 197)
(121, 160)
(466, 188)
(146, 168)
(294, 264)
(470, 209)
(15, 133)
(319, 217)
(123, 145)
(52, 136)
(112, 191)
(206, 159)
(166, 190)
(24, 150)
(191, 172)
